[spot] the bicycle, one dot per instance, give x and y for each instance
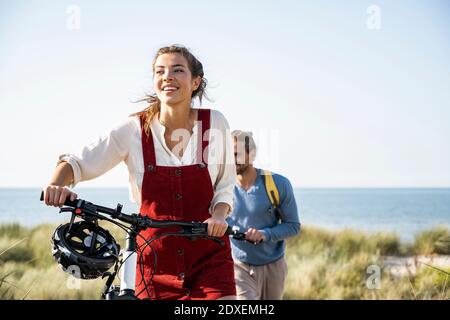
(99, 240)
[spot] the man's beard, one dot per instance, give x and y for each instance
(241, 168)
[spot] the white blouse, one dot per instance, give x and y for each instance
(123, 143)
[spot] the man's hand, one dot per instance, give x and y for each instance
(254, 235)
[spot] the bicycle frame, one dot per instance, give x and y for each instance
(126, 291)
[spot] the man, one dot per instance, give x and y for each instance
(259, 264)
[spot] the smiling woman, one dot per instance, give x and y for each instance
(178, 76)
(194, 184)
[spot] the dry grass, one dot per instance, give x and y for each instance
(338, 265)
(322, 265)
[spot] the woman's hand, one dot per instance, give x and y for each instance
(217, 225)
(55, 195)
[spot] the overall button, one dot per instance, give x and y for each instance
(202, 165)
(178, 196)
(181, 275)
(178, 172)
(150, 167)
(180, 252)
(187, 292)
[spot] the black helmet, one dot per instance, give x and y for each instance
(72, 249)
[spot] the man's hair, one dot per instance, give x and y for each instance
(245, 137)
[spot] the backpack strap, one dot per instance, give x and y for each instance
(272, 194)
(271, 189)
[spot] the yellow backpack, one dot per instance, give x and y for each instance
(272, 193)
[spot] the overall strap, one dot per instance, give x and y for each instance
(148, 148)
(204, 117)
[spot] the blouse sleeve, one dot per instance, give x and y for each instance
(226, 178)
(102, 154)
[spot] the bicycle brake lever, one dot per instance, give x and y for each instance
(215, 239)
(66, 209)
(238, 237)
(241, 237)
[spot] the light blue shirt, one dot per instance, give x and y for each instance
(252, 210)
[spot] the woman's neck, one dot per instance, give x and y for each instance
(176, 117)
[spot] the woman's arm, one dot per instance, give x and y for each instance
(222, 202)
(56, 193)
(217, 224)
(63, 175)
(94, 160)
(226, 178)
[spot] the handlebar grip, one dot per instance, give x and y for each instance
(68, 202)
(235, 233)
(238, 235)
(231, 231)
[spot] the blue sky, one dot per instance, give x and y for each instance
(332, 102)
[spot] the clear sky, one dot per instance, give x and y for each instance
(338, 93)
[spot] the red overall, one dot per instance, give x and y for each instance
(186, 269)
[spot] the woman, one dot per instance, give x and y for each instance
(178, 170)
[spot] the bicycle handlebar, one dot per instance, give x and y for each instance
(85, 208)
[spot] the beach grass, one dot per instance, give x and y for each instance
(350, 264)
(433, 241)
(322, 264)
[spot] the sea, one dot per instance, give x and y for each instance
(404, 211)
